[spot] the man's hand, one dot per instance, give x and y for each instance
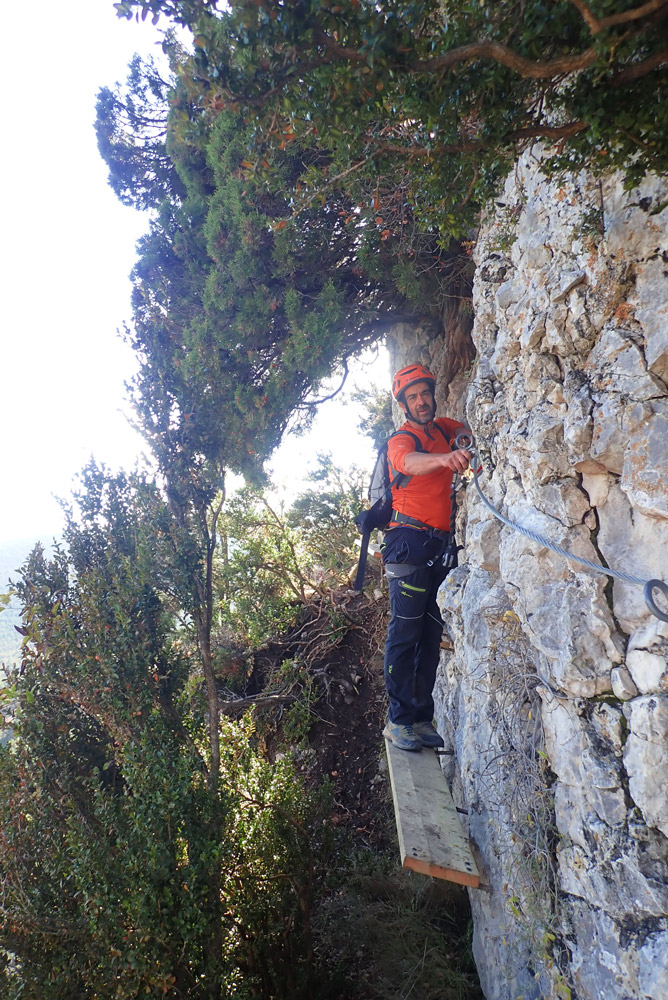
(458, 461)
(418, 463)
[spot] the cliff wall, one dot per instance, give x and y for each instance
(555, 698)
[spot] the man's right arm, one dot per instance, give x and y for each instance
(420, 463)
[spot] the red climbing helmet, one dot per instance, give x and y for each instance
(408, 376)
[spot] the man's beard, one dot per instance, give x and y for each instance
(425, 418)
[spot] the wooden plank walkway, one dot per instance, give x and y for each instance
(431, 839)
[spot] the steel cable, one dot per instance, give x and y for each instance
(649, 586)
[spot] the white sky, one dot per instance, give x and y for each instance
(68, 247)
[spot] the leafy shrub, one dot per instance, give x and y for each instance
(124, 869)
(274, 560)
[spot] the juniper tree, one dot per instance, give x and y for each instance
(421, 106)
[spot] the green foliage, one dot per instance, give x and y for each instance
(591, 226)
(12, 555)
(273, 560)
(9, 638)
(237, 317)
(124, 870)
(412, 111)
(259, 578)
(308, 165)
(324, 517)
(378, 422)
(131, 135)
(298, 716)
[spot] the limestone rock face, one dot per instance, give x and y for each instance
(555, 700)
(646, 757)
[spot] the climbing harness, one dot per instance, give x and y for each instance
(466, 442)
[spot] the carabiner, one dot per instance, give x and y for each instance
(464, 440)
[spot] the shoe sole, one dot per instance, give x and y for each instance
(411, 749)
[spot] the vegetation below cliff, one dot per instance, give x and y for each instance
(312, 172)
(113, 833)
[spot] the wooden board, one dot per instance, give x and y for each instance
(431, 839)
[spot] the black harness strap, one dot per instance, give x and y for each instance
(413, 522)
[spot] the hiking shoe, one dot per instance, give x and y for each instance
(427, 735)
(402, 736)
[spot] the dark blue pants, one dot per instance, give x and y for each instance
(413, 643)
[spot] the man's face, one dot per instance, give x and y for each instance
(420, 403)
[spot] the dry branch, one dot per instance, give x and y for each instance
(239, 705)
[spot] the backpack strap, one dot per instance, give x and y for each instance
(418, 443)
(401, 478)
(443, 434)
(364, 521)
(361, 565)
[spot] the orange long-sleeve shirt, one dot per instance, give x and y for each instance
(425, 497)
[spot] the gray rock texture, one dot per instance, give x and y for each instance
(555, 699)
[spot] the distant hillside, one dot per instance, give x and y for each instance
(12, 555)
(10, 640)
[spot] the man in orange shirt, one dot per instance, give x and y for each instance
(413, 550)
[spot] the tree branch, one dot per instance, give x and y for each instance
(471, 146)
(593, 23)
(634, 139)
(495, 51)
(635, 14)
(311, 403)
(638, 70)
(241, 704)
(549, 131)
(469, 192)
(526, 68)
(625, 17)
(330, 181)
(446, 149)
